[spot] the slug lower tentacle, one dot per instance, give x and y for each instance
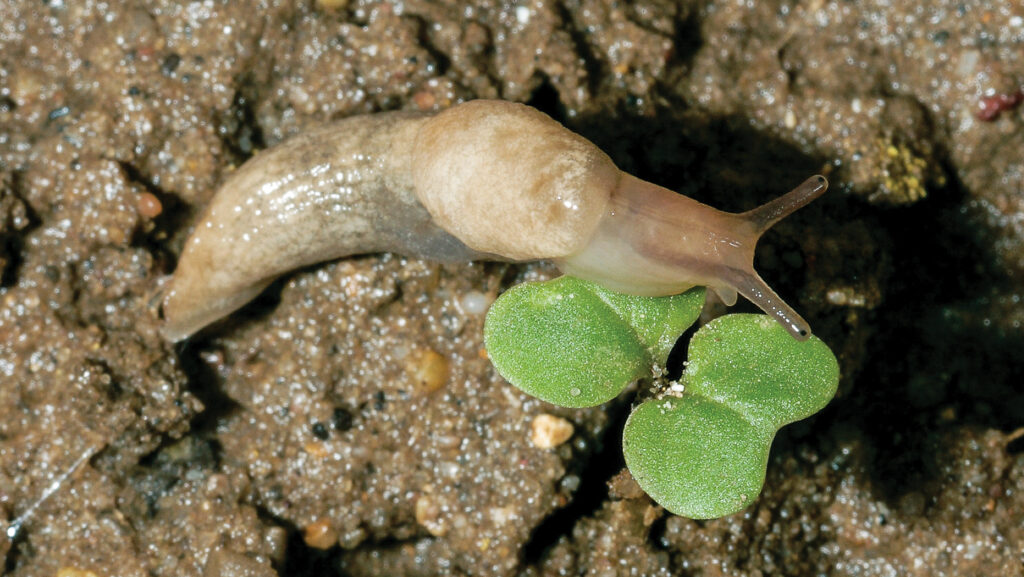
(482, 180)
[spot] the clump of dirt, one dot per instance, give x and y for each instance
(349, 422)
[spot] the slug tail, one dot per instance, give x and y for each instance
(196, 305)
(750, 285)
(766, 215)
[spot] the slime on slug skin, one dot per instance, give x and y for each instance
(485, 179)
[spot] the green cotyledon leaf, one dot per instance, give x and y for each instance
(703, 454)
(752, 365)
(695, 457)
(572, 343)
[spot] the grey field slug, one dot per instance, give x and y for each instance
(484, 179)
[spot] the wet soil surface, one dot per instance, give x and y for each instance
(348, 421)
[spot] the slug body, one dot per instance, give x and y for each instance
(482, 180)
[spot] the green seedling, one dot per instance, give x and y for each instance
(574, 344)
(700, 449)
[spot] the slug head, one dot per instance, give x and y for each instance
(654, 242)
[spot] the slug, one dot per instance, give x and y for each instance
(485, 179)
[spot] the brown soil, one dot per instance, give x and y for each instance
(348, 422)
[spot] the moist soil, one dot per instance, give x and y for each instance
(348, 421)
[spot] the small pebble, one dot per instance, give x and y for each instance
(320, 431)
(320, 535)
(428, 514)
(427, 369)
(316, 449)
(148, 205)
(548, 431)
(475, 302)
(424, 100)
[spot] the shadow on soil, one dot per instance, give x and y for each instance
(935, 359)
(938, 362)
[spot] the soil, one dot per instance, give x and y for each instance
(348, 422)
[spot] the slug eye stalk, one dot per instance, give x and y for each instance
(748, 283)
(755, 290)
(771, 212)
(655, 242)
